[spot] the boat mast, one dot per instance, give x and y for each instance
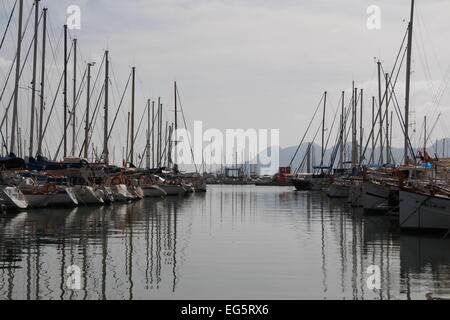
(65, 91)
(380, 113)
(148, 136)
(354, 142)
(41, 107)
(388, 149)
(132, 115)
(424, 135)
(153, 134)
(106, 107)
(74, 96)
(33, 82)
(361, 131)
(308, 158)
(88, 103)
(158, 158)
(176, 126)
(342, 129)
(372, 157)
(323, 129)
(408, 82)
(16, 86)
(128, 138)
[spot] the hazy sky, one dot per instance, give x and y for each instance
(258, 63)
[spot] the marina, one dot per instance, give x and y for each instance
(105, 175)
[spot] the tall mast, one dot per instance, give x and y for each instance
(354, 142)
(153, 134)
(372, 157)
(105, 128)
(158, 148)
(424, 135)
(148, 136)
(65, 91)
(88, 103)
(408, 82)
(160, 135)
(361, 131)
(388, 151)
(323, 128)
(176, 124)
(165, 145)
(41, 107)
(308, 159)
(74, 96)
(128, 139)
(342, 129)
(132, 116)
(33, 82)
(16, 86)
(380, 112)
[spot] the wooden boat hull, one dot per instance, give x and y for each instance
(355, 194)
(375, 197)
(338, 190)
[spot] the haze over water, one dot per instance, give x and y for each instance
(234, 242)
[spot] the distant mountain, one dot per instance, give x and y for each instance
(440, 148)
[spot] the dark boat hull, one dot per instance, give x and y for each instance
(302, 185)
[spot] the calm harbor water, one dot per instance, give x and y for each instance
(234, 242)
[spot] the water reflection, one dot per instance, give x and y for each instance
(237, 242)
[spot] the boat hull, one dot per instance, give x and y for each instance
(65, 197)
(302, 184)
(355, 194)
(87, 195)
(423, 211)
(12, 198)
(39, 200)
(340, 191)
(153, 191)
(173, 190)
(121, 193)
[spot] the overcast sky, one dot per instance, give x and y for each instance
(259, 63)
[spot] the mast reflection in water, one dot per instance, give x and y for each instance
(234, 242)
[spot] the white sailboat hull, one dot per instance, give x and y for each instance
(153, 191)
(38, 200)
(422, 211)
(65, 197)
(12, 198)
(121, 193)
(87, 195)
(173, 190)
